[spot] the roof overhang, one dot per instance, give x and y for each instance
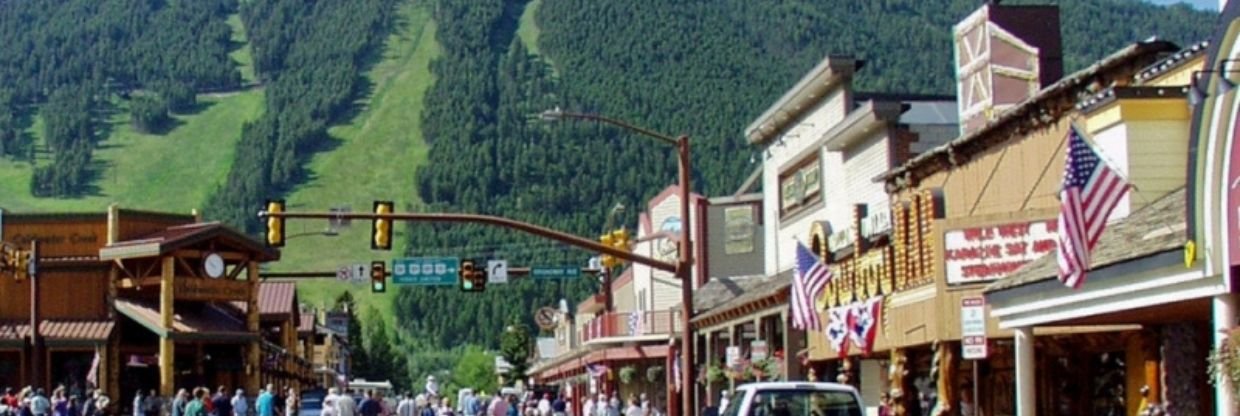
(861, 122)
(826, 76)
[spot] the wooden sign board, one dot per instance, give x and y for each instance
(201, 289)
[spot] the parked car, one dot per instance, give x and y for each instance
(795, 399)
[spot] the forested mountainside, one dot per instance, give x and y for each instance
(73, 68)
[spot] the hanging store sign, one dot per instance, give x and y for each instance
(984, 254)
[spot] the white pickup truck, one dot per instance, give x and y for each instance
(793, 398)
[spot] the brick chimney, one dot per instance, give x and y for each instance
(1004, 54)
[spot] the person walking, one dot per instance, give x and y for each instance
(150, 404)
(240, 406)
(634, 409)
(292, 403)
(265, 405)
(406, 406)
(179, 402)
(498, 406)
(39, 405)
(345, 406)
(369, 407)
(220, 403)
(60, 402)
(197, 406)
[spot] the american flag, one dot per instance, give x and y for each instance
(811, 278)
(1091, 189)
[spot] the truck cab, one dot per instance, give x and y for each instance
(794, 399)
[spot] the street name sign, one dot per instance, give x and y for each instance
(555, 272)
(425, 271)
(973, 328)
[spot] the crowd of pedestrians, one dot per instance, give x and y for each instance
(35, 402)
(200, 401)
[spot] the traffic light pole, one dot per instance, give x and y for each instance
(528, 228)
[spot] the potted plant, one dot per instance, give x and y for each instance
(714, 374)
(654, 373)
(1224, 361)
(626, 374)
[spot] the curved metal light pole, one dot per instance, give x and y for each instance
(684, 267)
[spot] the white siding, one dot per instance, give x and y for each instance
(862, 163)
(795, 140)
(1112, 144)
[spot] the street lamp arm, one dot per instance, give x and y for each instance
(560, 236)
(556, 114)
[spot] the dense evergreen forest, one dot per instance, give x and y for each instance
(75, 57)
(309, 56)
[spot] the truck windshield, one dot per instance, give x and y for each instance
(800, 402)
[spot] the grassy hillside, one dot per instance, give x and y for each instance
(374, 158)
(172, 172)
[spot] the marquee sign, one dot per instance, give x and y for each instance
(885, 269)
(984, 254)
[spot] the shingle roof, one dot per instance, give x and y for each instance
(723, 289)
(763, 287)
(1153, 229)
(306, 323)
(274, 298)
(59, 330)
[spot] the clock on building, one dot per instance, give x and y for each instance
(213, 265)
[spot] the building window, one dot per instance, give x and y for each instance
(800, 186)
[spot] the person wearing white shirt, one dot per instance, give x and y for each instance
(345, 406)
(406, 406)
(587, 408)
(240, 406)
(544, 405)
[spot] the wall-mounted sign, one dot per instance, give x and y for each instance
(739, 226)
(876, 222)
(840, 237)
(984, 254)
(203, 289)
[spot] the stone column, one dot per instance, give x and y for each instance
(167, 352)
(1026, 382)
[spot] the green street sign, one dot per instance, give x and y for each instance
(426, 271)
(552, 273)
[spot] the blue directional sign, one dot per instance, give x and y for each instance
(564, 272)
(425, 271)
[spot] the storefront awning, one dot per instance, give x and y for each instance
(754, 292)
(199, 322)
(58, 332)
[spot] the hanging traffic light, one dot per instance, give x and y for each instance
(378, 276)
(275, 225)
(480, 279)
(607, 260)
(381, 231)
(620, 240)
(465, 276)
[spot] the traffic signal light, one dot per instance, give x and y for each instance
(381, 231)
(618, 239)
(607, 260)
(471, 277)
(378, 276)
(275, 225)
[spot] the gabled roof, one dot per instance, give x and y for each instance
(184, 236)
(801, 97)
(1028, 114)
(1153, 229)
(275, 300)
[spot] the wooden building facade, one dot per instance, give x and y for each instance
(134, 300)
